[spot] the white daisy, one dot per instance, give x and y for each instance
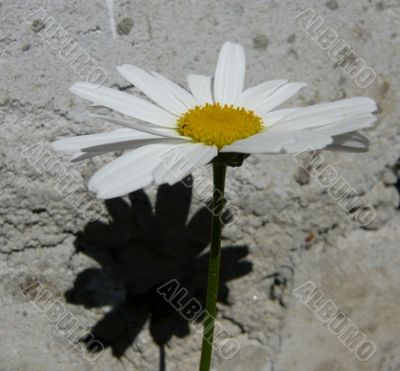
(217, 116)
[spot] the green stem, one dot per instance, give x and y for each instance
(219, 171)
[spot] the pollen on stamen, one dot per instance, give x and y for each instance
(218, 125)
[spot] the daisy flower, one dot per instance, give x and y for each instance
(218, 116)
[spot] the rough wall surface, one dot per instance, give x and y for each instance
(104, 272)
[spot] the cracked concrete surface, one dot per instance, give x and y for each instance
(290, 231)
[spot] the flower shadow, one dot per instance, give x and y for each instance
(141, 249)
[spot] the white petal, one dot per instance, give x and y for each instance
(130, 144)
(162, 132)
(359, 104)
(350, 142)
(124, 188)
(280, 142)
(201, 88)
(77, 143)
(128, 172)
(101, 149)
(274, 117)
(255, 97)
(326, 113)
(177, 91)
(308, 140)
(261, 143)
(279, 96)
(229, 74)
(87, 146)
(349, 125)
(124, 103)
(182, 160)
(313, 138)
(152, 87)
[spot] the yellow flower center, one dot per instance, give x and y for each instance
(218, 125)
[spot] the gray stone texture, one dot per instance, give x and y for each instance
(290, 230)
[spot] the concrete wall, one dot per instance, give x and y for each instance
(103, 273)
